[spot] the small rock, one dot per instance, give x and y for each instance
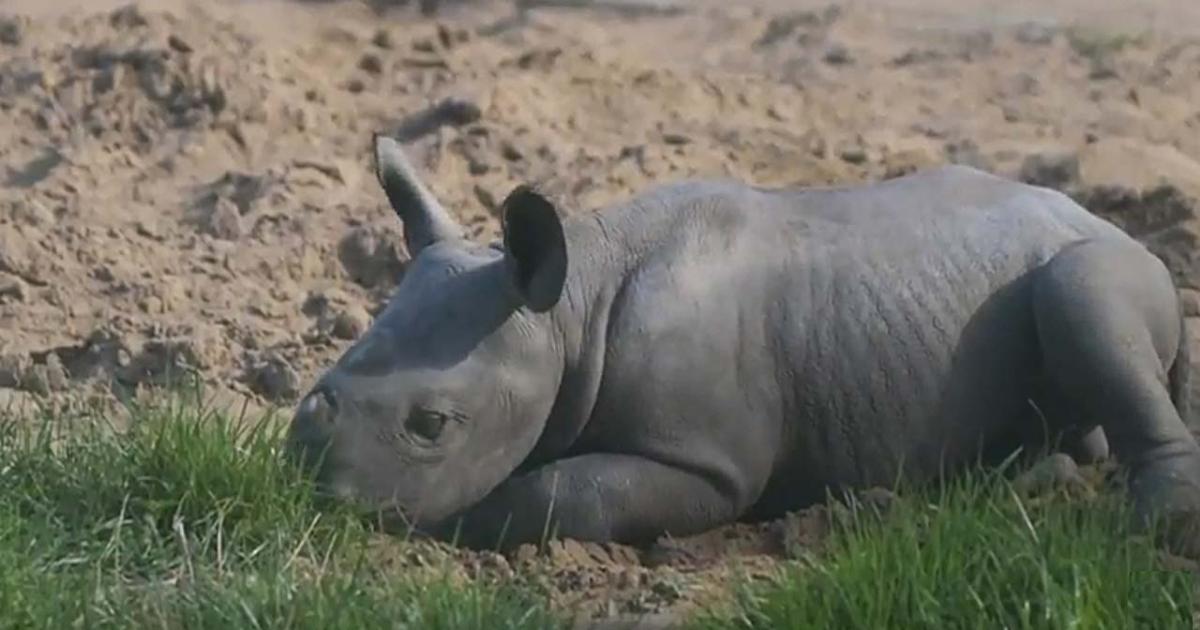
(17, 404)
(33, 212)
(56, 374)
(335, 170)
(458, 111)
(178, 44)
(351, 323)
(12, 369)
(1102, 71)
(128, 16)
(1056, 472)
(914, 56)
(1035, 34)
(371, 63)
(838, 55)
(355, 85)
(12, 289)
(371, 256)
(804, 530)
(903, 162)
(383, 39)
(274, 379)
(853, 155)
(525, 554)
(668, 552)
(510, 152)
(1191, 302)
(881, 500)
(162, 361)
(485, 197)
(1050, 170)
(12, 29)
(147, 228)
(676, 139)
(225, 221)
(967, 152)
(44, 378)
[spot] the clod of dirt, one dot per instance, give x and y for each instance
(1054, 474)
(19, 255)
(1035, 33)
(371, 256)
(1052, 170)
(129, 16)
(903, 162)
(383, 39)
(1190, 300)
(44, 378)
(838, 55)
(32, 212)
(804, 531)
(371, 63)
(179, 44)
(12, 289)
(12, 369)
(12, 29)
(274, 379)
(967, 153)
(243, 189)
(351, 323)
(18, 403)
(453, 111)
(853, 155)
(225, 221)
(163, 361)
(878, 500)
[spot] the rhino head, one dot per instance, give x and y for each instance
(448, 390)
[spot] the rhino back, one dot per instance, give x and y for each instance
(833, 335)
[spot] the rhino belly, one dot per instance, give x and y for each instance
(915, 380)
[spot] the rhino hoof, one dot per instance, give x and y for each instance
(1167, 501)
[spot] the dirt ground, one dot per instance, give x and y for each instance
(186, 186)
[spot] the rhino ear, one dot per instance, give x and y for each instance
(535, 248)
(425, 221)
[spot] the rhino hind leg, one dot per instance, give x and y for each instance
(1110, 333)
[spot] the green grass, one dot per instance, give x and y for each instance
(973, 555)
(185, 519)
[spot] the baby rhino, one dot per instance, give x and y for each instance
(711, 351)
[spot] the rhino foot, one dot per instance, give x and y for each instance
(1166, 498)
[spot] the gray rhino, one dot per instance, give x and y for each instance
(712, 351)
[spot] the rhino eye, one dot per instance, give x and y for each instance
(426, 425)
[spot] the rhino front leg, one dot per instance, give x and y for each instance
(597, 497)
(1109, 326)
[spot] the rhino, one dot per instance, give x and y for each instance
(711, 351)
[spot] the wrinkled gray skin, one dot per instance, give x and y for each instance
(714, 351)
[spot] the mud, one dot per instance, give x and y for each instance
(186, 186)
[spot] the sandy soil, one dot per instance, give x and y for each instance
(186, 186)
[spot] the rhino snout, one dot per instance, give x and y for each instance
(312, 426)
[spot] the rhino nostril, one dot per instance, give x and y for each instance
(321, 405)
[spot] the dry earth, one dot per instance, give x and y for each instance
(186, 186)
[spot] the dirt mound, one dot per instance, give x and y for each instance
(187, 188)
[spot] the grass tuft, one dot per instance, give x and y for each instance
(185, 518)
(973, 555)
